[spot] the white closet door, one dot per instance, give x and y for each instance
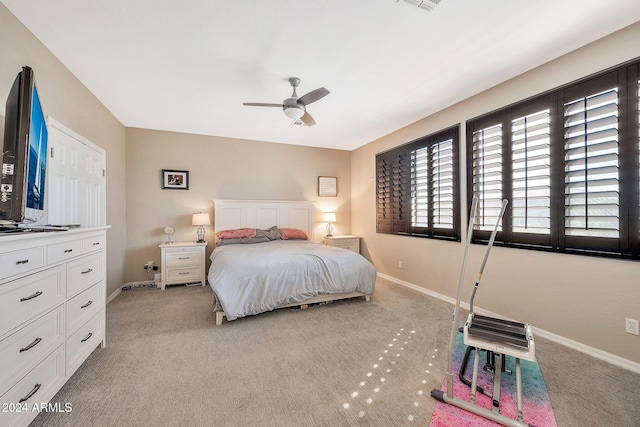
(75, 179)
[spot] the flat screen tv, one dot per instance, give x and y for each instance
(24, 154)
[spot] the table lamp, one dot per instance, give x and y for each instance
(200, 219)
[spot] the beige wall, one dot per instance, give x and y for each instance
(581, 298)
(219, 168)
(68, 101)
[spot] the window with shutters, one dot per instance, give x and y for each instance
(560, 159)
(417, 187)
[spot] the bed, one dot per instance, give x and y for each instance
(276, 266)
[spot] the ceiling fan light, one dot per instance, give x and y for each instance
(294, 112)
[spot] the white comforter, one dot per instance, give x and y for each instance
(253, 278)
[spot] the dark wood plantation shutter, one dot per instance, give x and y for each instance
(592, 165)
(531, 173)
(392, 182)
(443, 181)
(416, 187)
(420, 188)
(487, 175)
(383, 193)
(636, 127)
(400, 190)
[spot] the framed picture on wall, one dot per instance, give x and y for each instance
(327, 186)
(175, 180)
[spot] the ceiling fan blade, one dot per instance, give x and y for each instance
(307, 119)
(261, 104)
(313, 96)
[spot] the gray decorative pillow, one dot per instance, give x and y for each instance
(272, 234)
(243, 240)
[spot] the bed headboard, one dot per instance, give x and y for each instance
(263, 214)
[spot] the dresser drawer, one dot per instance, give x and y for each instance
(82, 343)
(184, 274)
(84, 305)
(183, 258)
(63, 251)
(38, 386)
(83, 273)
(25, 298)
(19, 262)
(94, 243)
(28, 345)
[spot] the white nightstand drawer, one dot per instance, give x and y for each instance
(183, 258)
(348, 242)
(82, 343)
(29, 296)
(18, 262)
(63, 251)
(184, 274)
(84, 305)
(38, 386)
(25, 347)
(83, 273)
(352, 246)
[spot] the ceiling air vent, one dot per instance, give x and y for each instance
(298, 122)
(427, 5)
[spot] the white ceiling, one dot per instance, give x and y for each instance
(187, 66)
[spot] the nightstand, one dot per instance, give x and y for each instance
(346, 241)
(182, 262)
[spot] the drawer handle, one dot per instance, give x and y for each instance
(183, 273)
(87, 271)
(87, 337)
(37, 294)
(96, 243)
(24, 261)
(31, 393)
(184, 257)
(30, 346)
(66, 251)
(87, 304)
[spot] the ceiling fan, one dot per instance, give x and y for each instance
(294, 107)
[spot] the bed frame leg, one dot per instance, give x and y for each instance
(219, 317)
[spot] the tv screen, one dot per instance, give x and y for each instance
(24, 153)
(37, 158)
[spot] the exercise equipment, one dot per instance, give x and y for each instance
(497, 337)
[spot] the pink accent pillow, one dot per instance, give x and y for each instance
(293, 233)
(237, 233)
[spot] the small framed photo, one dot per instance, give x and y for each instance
(175, 180)
(327, 186)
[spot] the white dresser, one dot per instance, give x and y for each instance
(52, 314)
(345, 241)
(182, 262)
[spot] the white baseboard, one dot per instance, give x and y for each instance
(113, 295)
(591, 351)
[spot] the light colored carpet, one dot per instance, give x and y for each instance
(348, 363)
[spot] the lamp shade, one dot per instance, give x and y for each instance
(329, 217)
(201, 219)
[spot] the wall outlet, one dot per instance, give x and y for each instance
(631, 326)
(399, 264)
